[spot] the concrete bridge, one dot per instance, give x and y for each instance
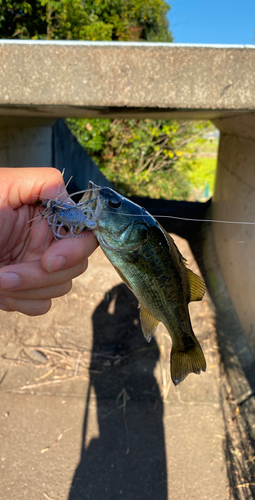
(43, 81)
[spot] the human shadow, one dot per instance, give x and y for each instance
(128, 459)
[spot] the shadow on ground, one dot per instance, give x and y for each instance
(121, 462)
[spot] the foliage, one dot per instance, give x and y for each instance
(144, 157)
(85, 20)
(202, 178)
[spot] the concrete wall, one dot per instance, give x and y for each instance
(25, 142)
(234, 200)
(38, 142)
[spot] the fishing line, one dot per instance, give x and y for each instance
(188, 219)
(207, 220)
(173, 216)
(156, 215)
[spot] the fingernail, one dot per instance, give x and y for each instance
(9, 281)
(56, 264)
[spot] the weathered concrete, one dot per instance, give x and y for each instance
(25, 142)
(235, 350)
(97, 78)
(237, 390)
(234, 200)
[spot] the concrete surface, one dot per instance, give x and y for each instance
(234, 200)
(43, 142)
(26, 145)
(87, 409)
(77, 78)
(237, 386)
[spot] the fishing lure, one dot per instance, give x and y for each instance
(68, 215)
(62, 212)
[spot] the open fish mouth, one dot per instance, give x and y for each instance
(91, 195)
(91, 198)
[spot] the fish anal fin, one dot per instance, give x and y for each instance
(188, 361)
(196, 286)
(148, 323)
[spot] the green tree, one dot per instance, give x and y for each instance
(144, 157)
(85, 20)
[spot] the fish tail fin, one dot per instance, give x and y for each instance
(185, 361)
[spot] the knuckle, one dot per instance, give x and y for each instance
(39, 307)
(65, 288)
(68, 286)
(84, 266)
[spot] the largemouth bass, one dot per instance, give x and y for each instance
(148, 261)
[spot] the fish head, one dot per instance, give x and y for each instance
(118, 220)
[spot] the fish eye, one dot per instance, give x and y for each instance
(114, 204)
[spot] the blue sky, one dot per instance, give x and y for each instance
(213, 21)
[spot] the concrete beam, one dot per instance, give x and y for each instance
(57, 79)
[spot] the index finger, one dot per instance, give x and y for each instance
(23, 186)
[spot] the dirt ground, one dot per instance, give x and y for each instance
(88, 410)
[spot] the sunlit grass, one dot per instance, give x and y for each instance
(202, 179)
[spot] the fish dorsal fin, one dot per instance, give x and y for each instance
(148, 323)
(196, 286)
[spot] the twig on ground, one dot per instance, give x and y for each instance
(125, 396)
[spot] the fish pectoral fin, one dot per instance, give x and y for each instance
(196, 286)
(187, 361)
(148, 323)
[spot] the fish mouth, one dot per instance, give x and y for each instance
(91, 195)
(91, 198)
(92, 187)
(91, 192)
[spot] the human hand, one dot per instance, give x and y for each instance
(34, 268)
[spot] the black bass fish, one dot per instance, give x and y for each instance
(148, 261)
